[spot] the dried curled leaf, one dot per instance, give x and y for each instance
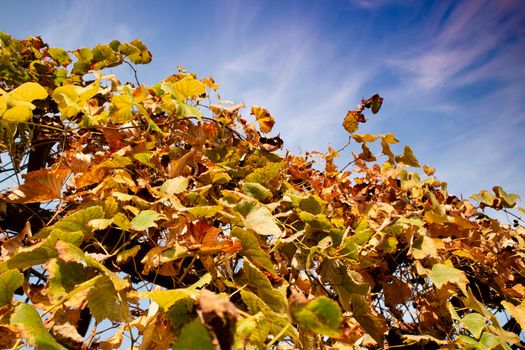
(264, 118)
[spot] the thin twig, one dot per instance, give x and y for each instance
(134, 72)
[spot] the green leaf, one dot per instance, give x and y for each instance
(321, 315)
(265, 174)
(28, 321)
(35, 256)
(175, 186)
(104, 302)
(252, 250)
(312, 205)
(260, 284)
(76, 222)
(181, 313)
(273, 322)
(372, 324)
(442, 274)
(257, 191)
(10, 281)
(144, 159)
(65, 276)
(259, 218)
(475, 323)
(60, 56)
(254, 328)
(345, 282)
(408, 158)
(146, 219)
(193, 336)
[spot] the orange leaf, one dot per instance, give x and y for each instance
(264, 118)
(40, 186)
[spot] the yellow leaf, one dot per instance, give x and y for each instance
(188, 87)
(29, 92)
(518, 312)
(18, 114)
(350, 122)
(3, 105)
(264, 118)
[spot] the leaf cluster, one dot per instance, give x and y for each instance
(165, 211)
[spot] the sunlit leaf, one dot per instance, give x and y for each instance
(351, 121)
(408, 158)
(259, 218)
(146, 219)
(257, 191)
(40, 186)
(518, 312)
(175, 186)
(28, 321)
(475, 323)
(261, 286)
(263, 117)
(442, 274)
(166, 298)
(188, 87)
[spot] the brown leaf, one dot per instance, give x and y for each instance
(40, 186)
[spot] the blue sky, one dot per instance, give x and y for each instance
(452, 73)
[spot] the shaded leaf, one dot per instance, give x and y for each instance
(260, 284)
(193, 336)
(10, 281)
(252, 250)
(321, 315)
(104, 302)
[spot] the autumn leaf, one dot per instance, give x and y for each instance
(40, 186)
(351, 121)
(16, 106)
(263, 117)
(146, 219)
(28, 322)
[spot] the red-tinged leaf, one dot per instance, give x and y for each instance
(40, 186)
(264, 118)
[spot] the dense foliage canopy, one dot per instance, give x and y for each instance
(160, 216)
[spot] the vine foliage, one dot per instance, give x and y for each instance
(159, 216)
